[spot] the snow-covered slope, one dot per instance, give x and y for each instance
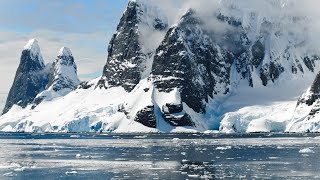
(236, 66)
(87, 110)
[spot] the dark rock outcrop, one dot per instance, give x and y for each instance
(307, 110)
(126, 60)
(147, 117)
(189, 61)
(176, 116)
(30, 78)
(313, 94)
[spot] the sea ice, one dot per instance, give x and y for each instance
(306, 151)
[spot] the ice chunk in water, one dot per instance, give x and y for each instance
(306, 151)
(71, 172)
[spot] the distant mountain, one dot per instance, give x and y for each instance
(229, 68)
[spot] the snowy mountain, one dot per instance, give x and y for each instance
(30, 77)
(63, 77)
(129, 53)
(236, 66)
(306, 116)
(189, 65)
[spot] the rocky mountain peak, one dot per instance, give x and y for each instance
(63, 77)
(32, 45)
(189, 63)
(129, 52)
(29, 79)
(312, 94)
(315, 87)
(65, 58)
(33, 48)
(64, 71)
(64, 51)
(307, 109)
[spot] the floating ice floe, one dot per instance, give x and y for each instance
(9, 174)
(75, 136)
(140, 137)
(223, 148)
(306, 151)
(71, 172)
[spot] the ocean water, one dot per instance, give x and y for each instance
(159, 156)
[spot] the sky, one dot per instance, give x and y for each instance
(85, 26)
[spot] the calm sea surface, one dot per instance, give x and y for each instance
(159, 156)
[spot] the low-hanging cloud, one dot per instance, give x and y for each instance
(291, 16)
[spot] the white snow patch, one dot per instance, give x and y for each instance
(64, 51)
(34, 49)
(306, 151)
(224, 148)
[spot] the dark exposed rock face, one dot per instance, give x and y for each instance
(86, 85)
(271, 72)
(124, 49)
(315, 87)
(257, 50)
(313, 94)
(29, 79)
(176, 116)
(188, 60)
(147, 117)
(126, 61)
(307, 109)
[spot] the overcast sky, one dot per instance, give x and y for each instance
(85, 26)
